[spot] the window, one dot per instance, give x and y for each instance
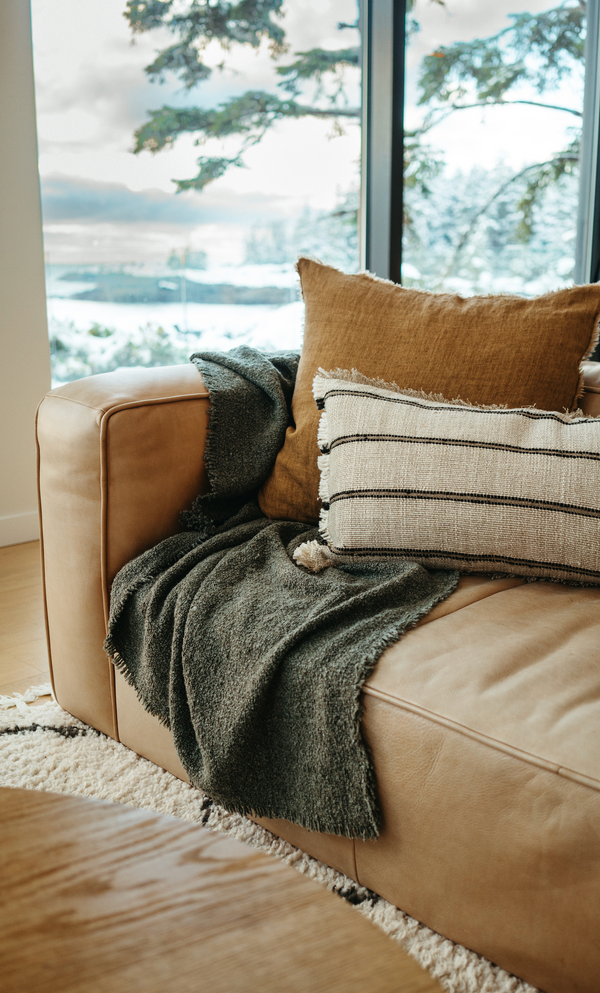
(494, 186)
(493, 112)
(138, 273)
(478, 138)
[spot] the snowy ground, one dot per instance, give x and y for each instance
(89, 336)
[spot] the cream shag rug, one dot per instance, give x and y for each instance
(44, 748)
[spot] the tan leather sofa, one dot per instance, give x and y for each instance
(483, 721)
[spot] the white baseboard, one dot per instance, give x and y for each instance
(17, 528)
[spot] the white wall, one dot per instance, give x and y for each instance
(24, 349)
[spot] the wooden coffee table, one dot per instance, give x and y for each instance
(101, 898)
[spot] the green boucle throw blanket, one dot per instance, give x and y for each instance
(254, 663)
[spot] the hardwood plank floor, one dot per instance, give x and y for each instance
(23, 652)
(101, 898)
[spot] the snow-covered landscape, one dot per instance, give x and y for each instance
(92, 336)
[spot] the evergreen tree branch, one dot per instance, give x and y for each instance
(442, 113)
(247, 22)
(315, 64)
(558, 163)
(538, 49)
(549, 172)
(182, 60)
(209, 170)
(249, 115)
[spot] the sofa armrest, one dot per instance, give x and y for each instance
(119, 456)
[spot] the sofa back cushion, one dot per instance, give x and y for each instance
(590, 401)
(487, 350)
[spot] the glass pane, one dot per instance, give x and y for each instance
(139, 273)
(493, 123)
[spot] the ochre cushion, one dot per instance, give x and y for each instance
(487, 350)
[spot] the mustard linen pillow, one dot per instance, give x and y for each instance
(486, 350)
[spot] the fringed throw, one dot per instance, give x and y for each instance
(255, 663)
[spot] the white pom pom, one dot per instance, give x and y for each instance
(314, 556)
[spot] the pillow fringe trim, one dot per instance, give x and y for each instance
(354, 376)
(314, 556)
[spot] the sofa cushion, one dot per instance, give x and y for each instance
(493, 349)
(516, 668)
(483, 724)
(590, 401)
(456, 486)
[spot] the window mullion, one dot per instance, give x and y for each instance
(383, 44)
(587, 265)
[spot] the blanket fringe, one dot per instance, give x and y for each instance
(119, 663)
(311, 822)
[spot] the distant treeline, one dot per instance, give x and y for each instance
(123, 288)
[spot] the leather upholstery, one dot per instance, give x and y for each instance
(498, 706)
(143, 733)
(488, 850)
(517, 671)
(120, 455)
(482, 721)
(590, 401)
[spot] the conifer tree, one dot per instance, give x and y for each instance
(538, 49)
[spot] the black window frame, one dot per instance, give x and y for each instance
(383, 40)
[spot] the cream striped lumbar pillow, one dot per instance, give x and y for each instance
(454, 486)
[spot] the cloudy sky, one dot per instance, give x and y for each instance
(102, 203)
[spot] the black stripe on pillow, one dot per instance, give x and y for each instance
(440, 553)
(449, 408)
(487, 499)
(349, 439)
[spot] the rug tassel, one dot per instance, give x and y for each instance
(19, 700)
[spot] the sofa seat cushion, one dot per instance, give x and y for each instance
(483, 724)
(517, 670)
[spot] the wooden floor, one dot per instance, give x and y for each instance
(102, 898)
(23, 653)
